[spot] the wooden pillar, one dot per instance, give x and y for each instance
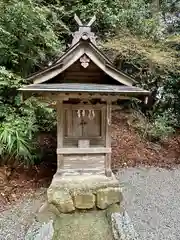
(108, 171)
(60, 122)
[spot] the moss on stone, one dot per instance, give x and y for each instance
(91, 225)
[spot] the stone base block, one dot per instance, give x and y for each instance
(84, 200)
(61, 199)
(83, 192)
(108, 196)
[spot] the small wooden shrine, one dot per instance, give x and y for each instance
(84, 84)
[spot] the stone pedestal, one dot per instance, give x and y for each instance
(71, 193)
(86, 207)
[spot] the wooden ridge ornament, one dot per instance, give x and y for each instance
(84, 31)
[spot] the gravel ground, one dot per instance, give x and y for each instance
(15, 221)
(152, 200)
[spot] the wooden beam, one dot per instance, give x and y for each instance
(60, 122)
(105, 97)
(108, 140)
(47, 96)
(92, 150)
(93, 19)
(78, 171)
(84, 106)
(77, 19)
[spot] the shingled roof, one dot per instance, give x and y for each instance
(83, 49)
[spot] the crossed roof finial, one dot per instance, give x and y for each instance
(79, 22)
(84, 31)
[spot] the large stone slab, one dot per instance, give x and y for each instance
(108, 196)
(84, 200)
(39, 231)
(83, 182)
(122, 227)
(121, 224)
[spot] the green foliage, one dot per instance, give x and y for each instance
(45, 115)
(170, 99)
(171, 10)
(20, 121)
(27, 35)
(159, 129)
(16, 140)
(30, 34)
(156, 129)
(112, 16)
(16, 129)
(155, 67)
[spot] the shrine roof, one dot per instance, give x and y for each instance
(83, 50)
(85, 88)
(75, 53)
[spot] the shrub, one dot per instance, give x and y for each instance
(18, 125)
(16, 141)
(156, 129)
(160, 129)
(27, 35)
